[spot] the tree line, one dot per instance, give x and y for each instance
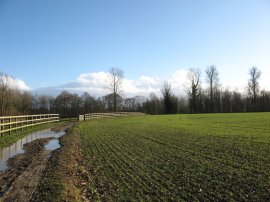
(66, 104)
(16, 102)
(211, 99)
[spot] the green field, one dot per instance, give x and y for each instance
(174, 157)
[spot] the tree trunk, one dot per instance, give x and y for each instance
(114, 102)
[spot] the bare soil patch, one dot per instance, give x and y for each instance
(25, 172)
(19, 182)
(64, 178)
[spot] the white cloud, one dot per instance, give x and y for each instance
(178, 80)
(21, 85)
(95, 79)
(140, 87)
(264, 80)
(149, 80)
(95, 84)
(16, 83)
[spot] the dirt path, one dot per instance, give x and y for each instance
(65, 178)
(19, 182)
(25, 171)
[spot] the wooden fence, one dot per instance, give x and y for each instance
(14, 123)
(107, 115)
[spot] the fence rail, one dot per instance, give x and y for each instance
(13, 123)
(107, 115)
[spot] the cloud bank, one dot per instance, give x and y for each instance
(95, 83)
(20, 84)
(15, 83)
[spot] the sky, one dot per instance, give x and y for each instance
(72, 44)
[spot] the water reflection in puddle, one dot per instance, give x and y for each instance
(17, 148)
(52, 145)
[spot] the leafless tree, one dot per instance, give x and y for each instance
(87, 101)
(212, 79)
(153, 106)
(26, 103)
(253, 85)
(193, 88)
(63, 103)
(5, 86)
(44, 104)
(170, 101)
(166, 92)
(115, 80)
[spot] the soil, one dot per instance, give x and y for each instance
(20, 181)
(65, 178)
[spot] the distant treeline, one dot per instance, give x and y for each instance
(66, 104)
(224, 102)
(212, 99)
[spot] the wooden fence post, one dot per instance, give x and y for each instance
(10, 125)
(22, 124)
(16, 124)
(1, 128)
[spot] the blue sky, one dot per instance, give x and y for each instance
(52, 43)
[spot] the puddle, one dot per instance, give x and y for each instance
(52, 145)
(17, 148)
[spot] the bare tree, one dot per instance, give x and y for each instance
(193, 88)
(26, 103)
(63, 103)
(5, 86)
(170, 101)
(43, 101)
(115, 80)
(253, 85)
(87, 101)
(212, 80)
(153, 105)
(166, 92)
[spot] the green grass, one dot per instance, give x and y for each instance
(7, 139)
(178, 157)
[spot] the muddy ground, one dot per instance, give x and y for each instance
(22, 180)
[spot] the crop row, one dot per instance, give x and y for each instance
(176, 157)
